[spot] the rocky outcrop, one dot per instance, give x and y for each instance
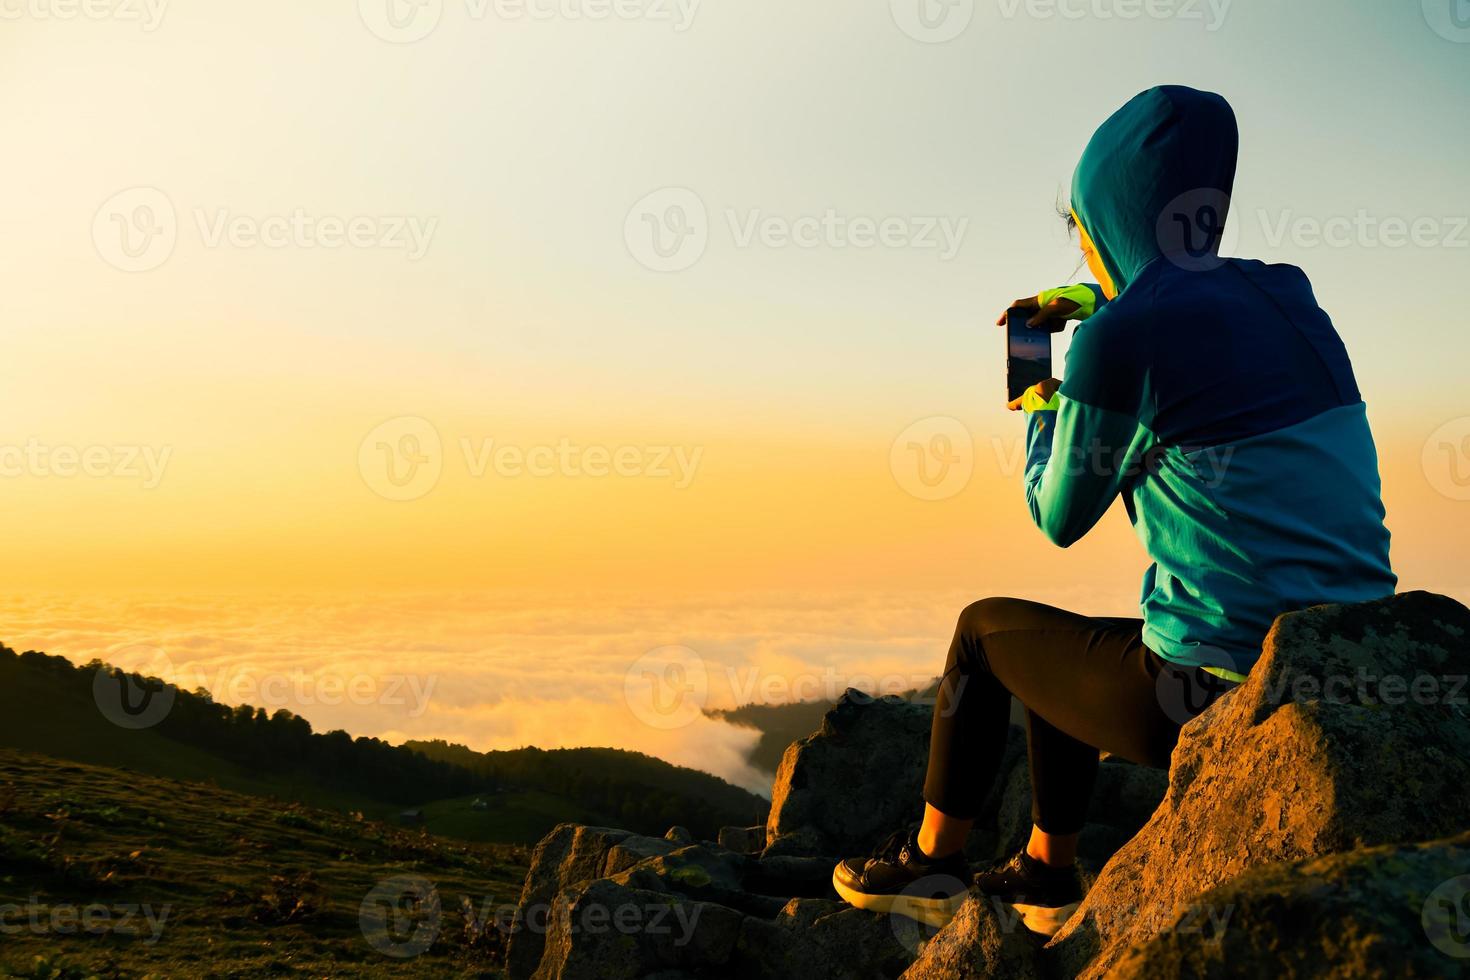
(984, 940)
(1351, 731)
(743, 840)
(1396, 911)
(1284, 841)
(566, 856)
(819, 938)
(694, 910)
(844, 788)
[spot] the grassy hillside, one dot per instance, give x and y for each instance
(236, 885)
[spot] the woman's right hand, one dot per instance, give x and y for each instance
(1052, 318)
(1059, 308)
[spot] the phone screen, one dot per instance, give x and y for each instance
(1028, 355)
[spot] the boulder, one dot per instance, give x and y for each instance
(705, 873)
(679, 835)
(607, 930)
(1350, 732)
(743, 840)
(1400, 911)
(570, 853)
(842, 789)
(984, 940)
(700, 911)
(821, 940)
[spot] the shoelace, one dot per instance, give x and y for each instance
(891, 850)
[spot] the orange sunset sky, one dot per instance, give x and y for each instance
(280, 260)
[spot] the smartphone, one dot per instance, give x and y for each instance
(1028, 354)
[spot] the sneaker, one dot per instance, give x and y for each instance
(899, 878)
(1043, 896)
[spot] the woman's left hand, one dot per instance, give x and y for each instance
(1041, 393)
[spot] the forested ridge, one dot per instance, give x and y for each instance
(628, 788)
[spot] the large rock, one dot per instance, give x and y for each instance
(1396, 911)
(570, 853)
(821, 940)
(743, 840)
(983, 940)
(700, 911)
(608, 930)
(844, 788)
(1350, 732)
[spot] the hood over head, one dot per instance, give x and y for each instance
(1156, 178)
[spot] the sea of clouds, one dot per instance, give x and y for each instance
(497, 671)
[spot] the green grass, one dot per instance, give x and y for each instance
(239, 885)
(511, 817)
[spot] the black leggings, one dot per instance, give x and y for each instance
(1087, 684)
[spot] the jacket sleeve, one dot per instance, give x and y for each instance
(1078, 459)
(1087, 295)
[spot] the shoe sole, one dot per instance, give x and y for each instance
(1044, 920)
(934, 912)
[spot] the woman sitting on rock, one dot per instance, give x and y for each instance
(1216, 398)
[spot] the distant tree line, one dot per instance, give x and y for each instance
(630, 789)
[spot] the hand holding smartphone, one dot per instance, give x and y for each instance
(1028, 354)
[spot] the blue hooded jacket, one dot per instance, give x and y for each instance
(1213, 395)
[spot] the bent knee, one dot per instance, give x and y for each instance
(983, 615)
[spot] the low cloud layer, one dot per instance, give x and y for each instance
(500, 671)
